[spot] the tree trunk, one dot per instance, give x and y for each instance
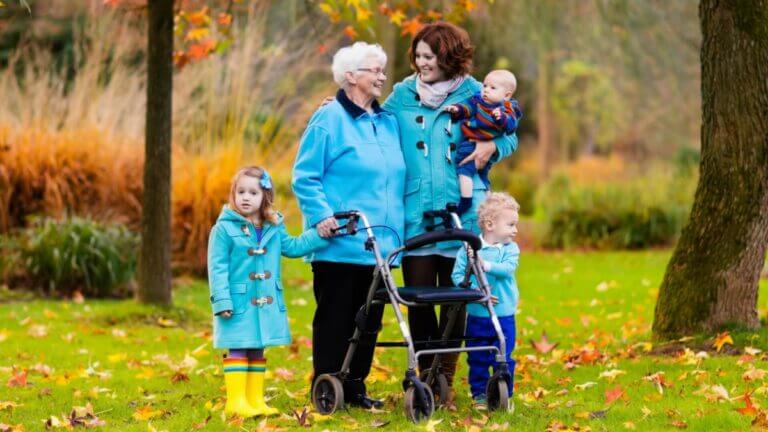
(543, 113)
(712, 277)
(155, 254)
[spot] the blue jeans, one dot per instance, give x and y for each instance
(480, 361)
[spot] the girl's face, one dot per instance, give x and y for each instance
(426, 63)
(248, 196)
(503, 229)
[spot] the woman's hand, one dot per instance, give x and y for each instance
(484, 151)
(326, 101)
(227, 314)
(326, 226)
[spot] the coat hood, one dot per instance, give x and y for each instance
(229, 215)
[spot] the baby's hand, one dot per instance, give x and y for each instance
(227, 314)
(496, 113)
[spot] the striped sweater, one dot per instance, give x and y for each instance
(480, 124)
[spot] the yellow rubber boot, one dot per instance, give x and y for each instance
(235, 379)
(255, 387)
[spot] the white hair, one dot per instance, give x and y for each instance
(349, 58)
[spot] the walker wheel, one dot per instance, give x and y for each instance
(415, 409)
(440, 388)
(498, 395)
(327, 394)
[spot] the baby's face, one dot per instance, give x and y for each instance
(494, 90)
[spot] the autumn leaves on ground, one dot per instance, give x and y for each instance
(122, 366)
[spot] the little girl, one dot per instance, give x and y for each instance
(249, 309)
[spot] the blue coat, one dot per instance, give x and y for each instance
(244, 277)
(431, 180)
(350, 159)
(503, 261)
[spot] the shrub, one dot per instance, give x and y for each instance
(62, 257)
(520, 185)
(642, 212)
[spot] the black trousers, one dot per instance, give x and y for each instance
(432, 271)
(340, 290)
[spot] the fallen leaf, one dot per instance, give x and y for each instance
(614, 394)
(543, 345)
(722, 339)
(749, 409)
(18, 379)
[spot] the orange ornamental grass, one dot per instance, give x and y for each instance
(89, 173)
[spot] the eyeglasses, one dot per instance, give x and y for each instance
(374, 71)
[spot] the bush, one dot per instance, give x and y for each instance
(647, 211)
(78, 254)
(521, 186)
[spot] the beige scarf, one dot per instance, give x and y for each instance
(433, 95)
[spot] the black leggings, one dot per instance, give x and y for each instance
(432, 271)
(340, 290)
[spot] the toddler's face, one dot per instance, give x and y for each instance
(503, 229)
(494, 91)
(248, 195)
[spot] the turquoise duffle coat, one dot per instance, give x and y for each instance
(244, 277)
(429, 147)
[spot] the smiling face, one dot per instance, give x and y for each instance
(426, 64)
(248, 196)
(370, 77)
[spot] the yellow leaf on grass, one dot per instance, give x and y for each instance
(146, 413)
(430, 427)
(117, 358)
(722, 339)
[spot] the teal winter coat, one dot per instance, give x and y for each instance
(350, 159)
(244, 277)
(503, 260)
(429, 148)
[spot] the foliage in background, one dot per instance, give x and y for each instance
(61, 257)
(646, 209)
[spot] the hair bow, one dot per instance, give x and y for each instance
(266, 181)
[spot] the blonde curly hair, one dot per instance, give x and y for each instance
(495, 203)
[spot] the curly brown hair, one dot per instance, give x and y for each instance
(451, 45)
(266, 212)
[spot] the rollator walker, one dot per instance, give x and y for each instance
(419, 400)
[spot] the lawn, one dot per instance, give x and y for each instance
(138, 368)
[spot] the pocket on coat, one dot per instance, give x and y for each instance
(414, 213)
(280, 297)
(239, 295)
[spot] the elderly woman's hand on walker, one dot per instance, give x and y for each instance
(326, 226)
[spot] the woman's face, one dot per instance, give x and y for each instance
(426, 63)
(370, 77)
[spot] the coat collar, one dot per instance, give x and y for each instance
(486, 244)
(352, 108)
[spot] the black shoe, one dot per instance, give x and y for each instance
(363, 401)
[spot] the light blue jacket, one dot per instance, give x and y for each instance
(350, 159)
(503, 261)
(244, 277)
(431, 180)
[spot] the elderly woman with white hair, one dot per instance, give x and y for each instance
(350, 158)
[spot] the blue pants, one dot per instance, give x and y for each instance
(465, 149)
(480, 361)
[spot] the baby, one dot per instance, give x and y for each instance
(488, 114)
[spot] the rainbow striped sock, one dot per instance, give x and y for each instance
(257, 365)
(234, 364)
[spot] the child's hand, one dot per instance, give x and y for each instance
(496, 113)
(494, 300)
(470, 252)
(453, 109)
(227, 314)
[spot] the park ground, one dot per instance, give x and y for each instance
(116, 365)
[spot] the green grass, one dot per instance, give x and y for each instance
(119, 357)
